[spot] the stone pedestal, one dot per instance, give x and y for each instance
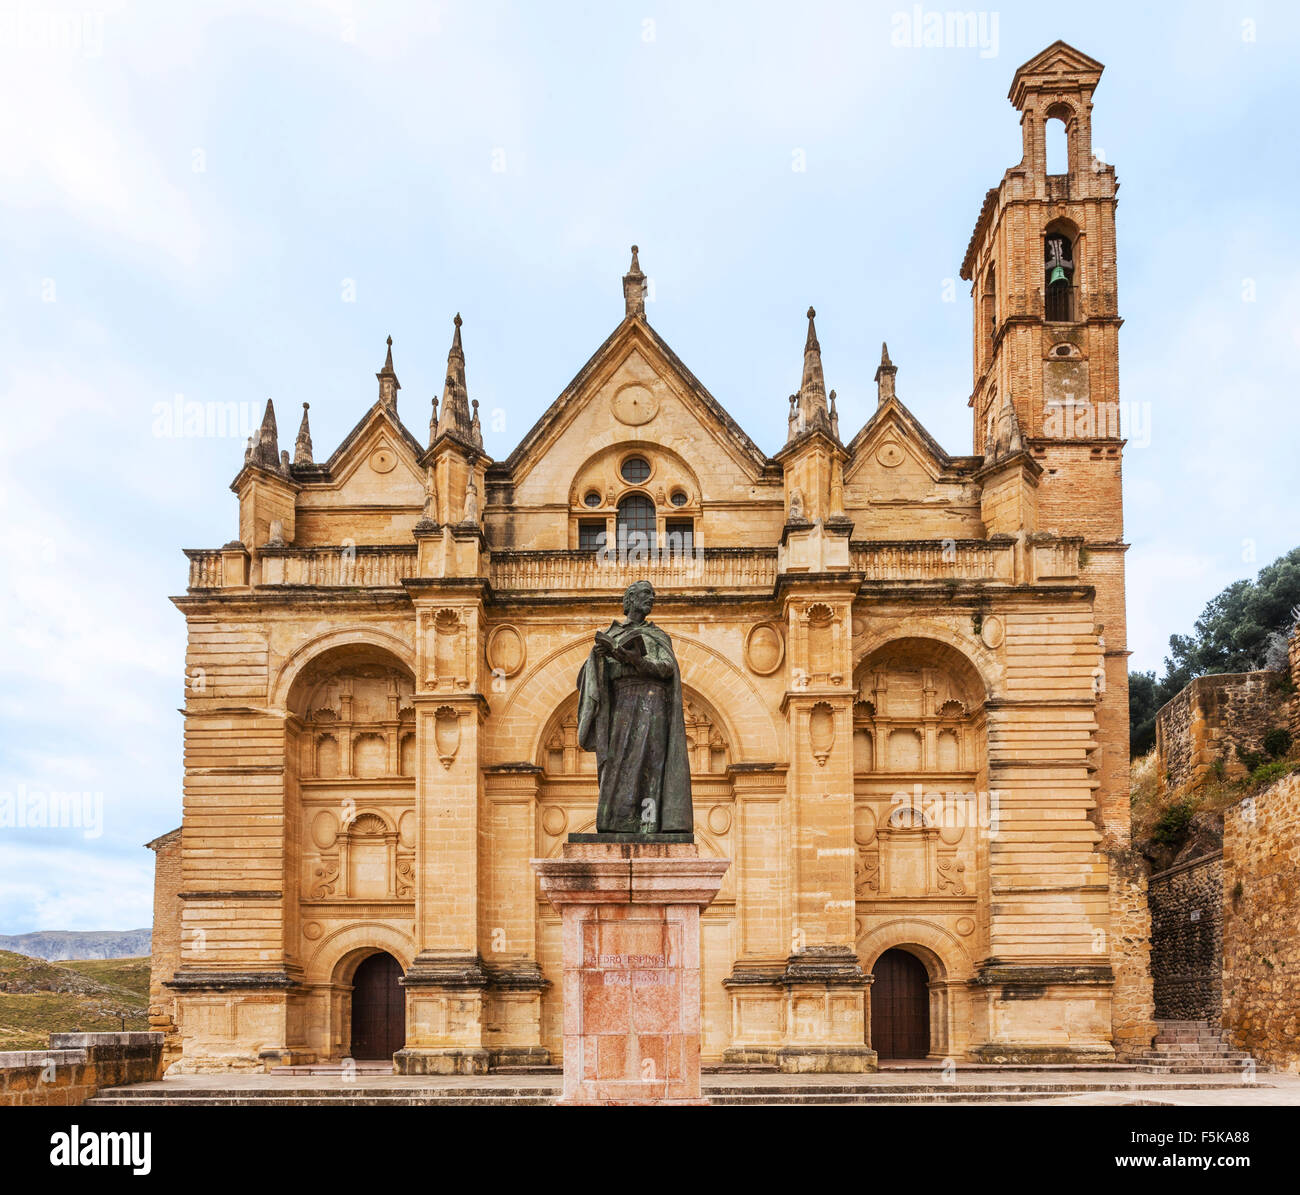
(631, 965)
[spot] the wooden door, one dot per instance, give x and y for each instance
(378, 1008)
(900, 1006)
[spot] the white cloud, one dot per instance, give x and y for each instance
(52, 887)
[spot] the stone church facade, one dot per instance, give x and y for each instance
(904, 676)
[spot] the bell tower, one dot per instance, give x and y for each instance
(1041, 264)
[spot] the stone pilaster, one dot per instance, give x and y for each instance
(447, 981)
(823, 1002)
(508, 916)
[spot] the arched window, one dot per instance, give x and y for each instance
(1058, 277)
(636, 524)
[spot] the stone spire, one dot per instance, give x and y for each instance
(885, 373)
(634, 289)
(388, 383)
(812, 390)
(810, 408)
(433, 422)
(266, 444)
(834, 417)
(302, 446)
(455, 417)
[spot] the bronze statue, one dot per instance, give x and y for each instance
(630, 715)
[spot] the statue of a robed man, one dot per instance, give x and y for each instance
(630, 715)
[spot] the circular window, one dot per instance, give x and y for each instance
(592, 498)
(635, 469)
(679, 498)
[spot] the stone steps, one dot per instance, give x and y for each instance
(1185, 1052)
(1192, 1047)
(527, 1070)
(1185, 1042)
(541, 1095)
(1203, 1069)
(317, 1100)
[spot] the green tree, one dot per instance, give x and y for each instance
(1145, 696)
(1239, 631)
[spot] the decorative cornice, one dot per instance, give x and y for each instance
(230, 981)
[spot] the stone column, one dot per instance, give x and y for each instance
(631, 966)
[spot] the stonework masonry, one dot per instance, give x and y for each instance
(166, 949)
(1212, 720)
(1261, 913)
(76, 1066)
(904, 675)
(1187, 939)
(1133, 1008)
(1293, 657)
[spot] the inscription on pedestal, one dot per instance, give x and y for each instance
(638, 1037)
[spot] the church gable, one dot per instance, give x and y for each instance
(370, 491)
(633, 418)
(899, 484)
(634, 389)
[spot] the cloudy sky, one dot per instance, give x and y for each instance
(233, 201)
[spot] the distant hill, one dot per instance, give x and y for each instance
(39, 997)
(57, 944)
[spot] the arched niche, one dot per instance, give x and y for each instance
(353, 706)
(918, 709)
(350, 748)
(708, 745)
(920, 772)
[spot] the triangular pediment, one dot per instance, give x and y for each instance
(1059, 63)
(892, 437)
(634, 388)
(896, 466)
(378, 463)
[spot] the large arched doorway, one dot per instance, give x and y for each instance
(378, 1008)
(900, 1006)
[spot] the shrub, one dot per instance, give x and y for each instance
(1173, 823)
(1277, 742)
(1266, 773)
